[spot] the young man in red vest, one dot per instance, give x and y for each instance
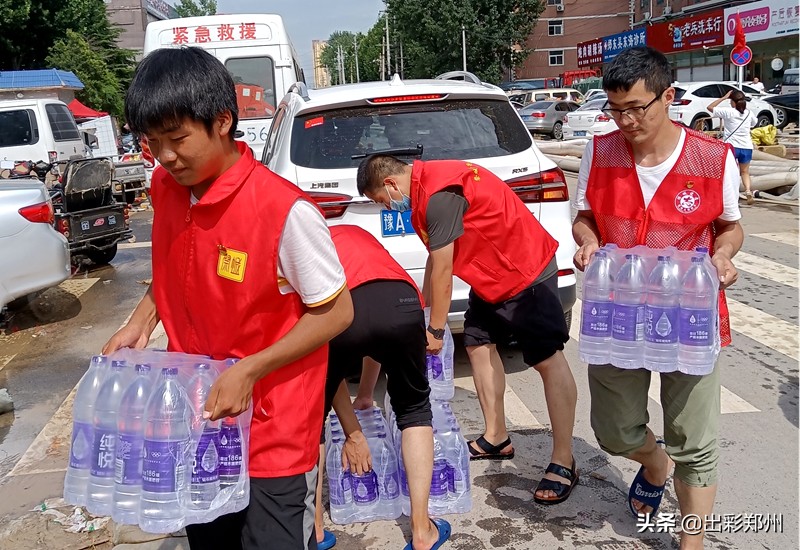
(475, 227)
(656, 183)
(388, 326)
(232, 278)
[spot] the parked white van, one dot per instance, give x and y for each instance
(791, 81)
(38, 129)
(256, 50)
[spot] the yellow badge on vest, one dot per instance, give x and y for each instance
(231, 264)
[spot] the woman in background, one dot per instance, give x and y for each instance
(737, 120)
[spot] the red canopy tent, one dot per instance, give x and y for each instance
(79, 110)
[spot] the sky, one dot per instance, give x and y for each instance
(308, 20)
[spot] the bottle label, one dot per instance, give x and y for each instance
(230, 450)
(696, 327)
(80, 454)
(128, 464)
(365, 487)
(339, 488)
(206, 459)
(439, 480)
(628, 323)
(390, 488)
(661, 324)
(103, 453)
(163, 469)
(435, 367)
(596, 319)
(403, 482)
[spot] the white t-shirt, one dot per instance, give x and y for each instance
(307, 259)
(650, 177)
(736, 126)
(758, 86)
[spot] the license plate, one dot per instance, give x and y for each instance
(395, 224)
(580, 133)
(85, 225)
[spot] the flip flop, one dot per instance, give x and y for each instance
(443, 526)
(562, 490)
(329, 541)
(645, 492)
(490, 452)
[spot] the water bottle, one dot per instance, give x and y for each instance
(230, 453)
(80, 452)
(457, 455)
(339, 490)
(385, 459)
(166, 440)
(439, 368)
(627, 325)
(598, 304)
(204, 484)
(100, 500)
(661, 314)
(440, 476)
(697, 333)
(130, 447)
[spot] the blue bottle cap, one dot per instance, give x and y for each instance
(703, 249)
(202, 366)
(231, 362)
(698, 259)
(169, 371)
(117, 365)
(142, 368)
(663, 258)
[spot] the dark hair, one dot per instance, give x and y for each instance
(635, 64)
(175, 83)
(739, 100)
(373, 170)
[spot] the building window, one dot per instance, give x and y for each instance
(556, 57)
(554, 2)
(555, 27)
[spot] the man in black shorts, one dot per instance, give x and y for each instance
(388, 326)
(475, 227)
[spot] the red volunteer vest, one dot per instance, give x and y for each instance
(216, 290)
(681, 213)
(364, 259)
(504, 247)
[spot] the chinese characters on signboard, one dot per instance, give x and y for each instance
(160, 9)
(687, 33)
(764, 20)
(220, 33)
(590, 52)
(614, 44)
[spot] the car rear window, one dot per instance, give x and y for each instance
(459, 129)
(17, 128)
(679, 93)
(538, 106)
(62, 123)
(593, 105)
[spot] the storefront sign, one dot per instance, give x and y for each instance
(764, 20)
(688, 33)
(160, 9)
(590, 52)
(615, 43)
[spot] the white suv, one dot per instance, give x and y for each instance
(692, 99)
(319, 137)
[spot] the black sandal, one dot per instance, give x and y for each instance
(562, 490)
(489, 451)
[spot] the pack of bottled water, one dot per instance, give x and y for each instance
(141, 451)
(440, 367)
(656, 309)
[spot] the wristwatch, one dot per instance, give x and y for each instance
(438, 333)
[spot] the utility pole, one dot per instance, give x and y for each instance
(355, 48)
(402, 62)
(383, 66)
(388, 47)
(464, 47)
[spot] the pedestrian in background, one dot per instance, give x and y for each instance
(737, 121)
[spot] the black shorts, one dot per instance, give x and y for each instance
(534, 316)
(388, 326)
(280, 515)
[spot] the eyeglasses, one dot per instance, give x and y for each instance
(634, 113)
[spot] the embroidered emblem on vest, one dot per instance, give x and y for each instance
(231, 264)
(687, 201)
(689, 184)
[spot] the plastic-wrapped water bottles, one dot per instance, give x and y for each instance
(661, 317)
(627, 328)
(698, 319)
(440, 367)
(230, 453)
(204, 484)
(80, 453)
(339, 490)
(388, 477)
(597, 308)
(130, 447)
(100, 490)
(166, 441)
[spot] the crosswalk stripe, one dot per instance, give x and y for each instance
(466, 408)
(764, 328)
(785, 237)
(767, 269)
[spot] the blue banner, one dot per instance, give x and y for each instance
(615, 43)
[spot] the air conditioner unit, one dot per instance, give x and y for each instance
(646, 15)
(559, 7)
(667, 10)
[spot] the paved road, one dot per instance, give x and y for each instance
(41, 359)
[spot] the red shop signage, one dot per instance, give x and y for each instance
(590, 52)
(688, 33)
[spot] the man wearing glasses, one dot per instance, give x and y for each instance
(656, 183)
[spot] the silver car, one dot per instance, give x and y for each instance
(34, 255)
(547, 117)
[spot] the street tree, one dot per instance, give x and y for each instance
(190, 8)
(369, 46)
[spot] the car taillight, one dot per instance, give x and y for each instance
(38, 213)
(602, 118)
(333, 205)
(681, 102)
(537, 114)
(52, 156)
(565, 119)
(63, 227)
(565, 272)
(547, 186)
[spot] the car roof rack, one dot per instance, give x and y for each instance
(460, 75)
(301, 89)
